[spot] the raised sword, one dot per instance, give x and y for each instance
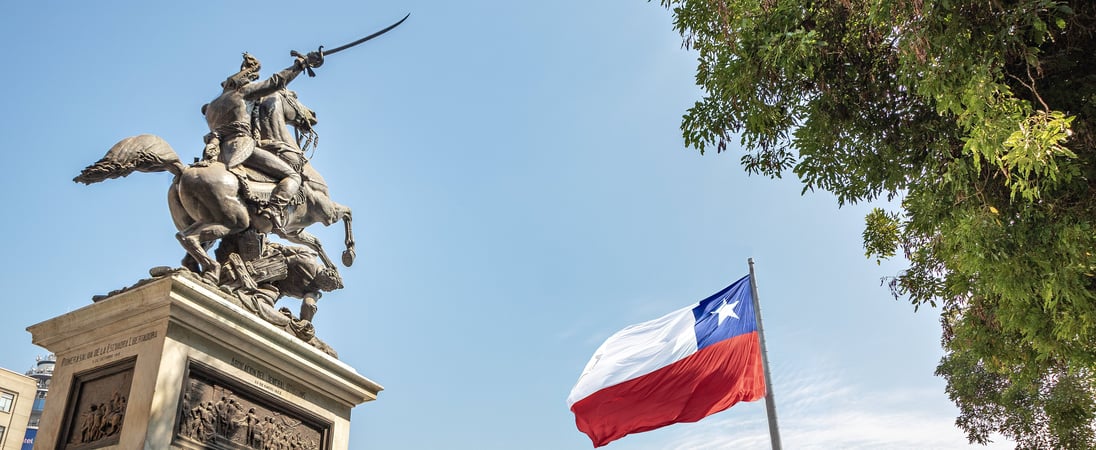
(310, 63)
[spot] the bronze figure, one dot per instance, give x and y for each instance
(253, 180)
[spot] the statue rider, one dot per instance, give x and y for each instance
(233, 135)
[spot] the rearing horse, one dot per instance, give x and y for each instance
(205, 199)
(276, 112)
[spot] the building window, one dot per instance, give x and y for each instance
(1, 434)
(6, 400)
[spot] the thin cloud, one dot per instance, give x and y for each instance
(819, 410)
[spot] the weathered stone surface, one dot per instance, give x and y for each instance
(163, 336)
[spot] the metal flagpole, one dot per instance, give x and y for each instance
(770, 405)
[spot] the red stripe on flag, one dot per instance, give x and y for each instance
(704, 383)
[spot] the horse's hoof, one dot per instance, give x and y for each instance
(212, 276)
(348, 257)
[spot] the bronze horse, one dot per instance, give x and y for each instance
(205, 198)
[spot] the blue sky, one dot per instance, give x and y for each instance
(521, 191)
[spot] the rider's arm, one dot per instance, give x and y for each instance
(271, 85)
(279, 80)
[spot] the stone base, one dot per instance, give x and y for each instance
(172, 364)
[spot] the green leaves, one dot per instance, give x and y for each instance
(979, 117)
(881, 234)
(1031, 154)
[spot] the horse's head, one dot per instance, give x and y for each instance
(281, 110)
(296, 114)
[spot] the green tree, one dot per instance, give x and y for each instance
(976, 118)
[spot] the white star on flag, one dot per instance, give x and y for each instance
(726, 309)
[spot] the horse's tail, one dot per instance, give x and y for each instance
(143, 153)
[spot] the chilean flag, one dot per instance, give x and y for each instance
(681, 367)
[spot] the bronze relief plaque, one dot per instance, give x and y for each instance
(97, 407)
(217, 412)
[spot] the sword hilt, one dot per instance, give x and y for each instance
(312, 59)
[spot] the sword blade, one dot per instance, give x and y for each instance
(359, 41)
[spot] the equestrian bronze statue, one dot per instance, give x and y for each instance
(253, 180)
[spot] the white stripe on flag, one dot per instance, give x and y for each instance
(638, 350)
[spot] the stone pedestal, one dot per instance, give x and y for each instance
(171, 364)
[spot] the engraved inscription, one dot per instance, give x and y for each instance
(107, 351)
(267, 380)
(222, 417)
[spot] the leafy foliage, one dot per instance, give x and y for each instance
(978, 116)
